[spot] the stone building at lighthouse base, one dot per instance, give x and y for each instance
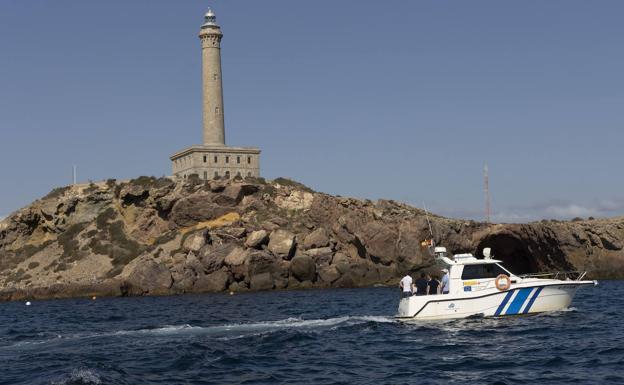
(217, 162)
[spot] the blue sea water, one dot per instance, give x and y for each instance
(305, 337)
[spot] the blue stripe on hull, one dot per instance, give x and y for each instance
(533, 298)
(517, 303)
(502, 305)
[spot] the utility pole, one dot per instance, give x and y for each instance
(486, 190)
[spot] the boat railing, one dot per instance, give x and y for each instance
(562, 275)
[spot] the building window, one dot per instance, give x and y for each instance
(205, 175)
(249, 174)
(215, 77)
(227, 159)
(249, 160)
(238, 175)
(216, 174)
(227, 175)
(215, 159)
(204, 158)
(216, 110)
(238, 159)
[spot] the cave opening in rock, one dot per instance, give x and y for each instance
(512, 251)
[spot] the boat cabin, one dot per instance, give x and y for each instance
(469, 274)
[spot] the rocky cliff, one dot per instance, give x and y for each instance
(152, 236)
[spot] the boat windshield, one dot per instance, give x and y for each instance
(481, 271)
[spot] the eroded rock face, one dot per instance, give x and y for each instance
(153, 236)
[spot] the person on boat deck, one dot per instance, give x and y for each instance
(445, 282)
(406, 286)
(433, 285)
(420, 285)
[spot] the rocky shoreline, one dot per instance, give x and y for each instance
(151, 236)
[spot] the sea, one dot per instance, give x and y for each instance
(332, 336)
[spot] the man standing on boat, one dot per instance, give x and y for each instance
(445, 282)
(433, 285)
(420, 285)
(406, 286)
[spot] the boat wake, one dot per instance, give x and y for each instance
(244, 329)
(225, 331)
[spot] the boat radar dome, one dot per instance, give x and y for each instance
(440, 251)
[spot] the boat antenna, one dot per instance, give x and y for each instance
(429, 223)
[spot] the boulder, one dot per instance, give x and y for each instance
(196, 208)
(237, 287)
(234, 232)
(257, 238)
(262, 281)
(328, 274)
(150, 277)
(238, 191)
(321, 251)
(303, 268)
(236, 257)
(282, 243)
(316, 239)
(260, 262)
(214, 282)
(212, 257)
(194, 242)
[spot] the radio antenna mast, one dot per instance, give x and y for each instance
(429, 223)
(486, 191)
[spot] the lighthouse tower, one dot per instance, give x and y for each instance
(213, 159)
(210, 35)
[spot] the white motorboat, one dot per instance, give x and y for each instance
(483, 287)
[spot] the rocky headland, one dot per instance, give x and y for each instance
(151, 236)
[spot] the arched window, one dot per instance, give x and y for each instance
(227, 175)
(249, 174)
(216, 174)
(215, 159)
(227, 159)
(249, 160)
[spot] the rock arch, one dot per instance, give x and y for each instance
(516, 255)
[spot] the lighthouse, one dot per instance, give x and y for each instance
(213, 159)
(214, 124)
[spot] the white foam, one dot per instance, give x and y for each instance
(85, 376)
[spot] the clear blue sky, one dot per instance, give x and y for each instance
(402, 100)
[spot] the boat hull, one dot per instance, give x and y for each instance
(491, 303)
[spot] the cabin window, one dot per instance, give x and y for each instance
(489, 270)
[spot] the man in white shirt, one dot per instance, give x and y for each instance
(406, 286)
(445, 282)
